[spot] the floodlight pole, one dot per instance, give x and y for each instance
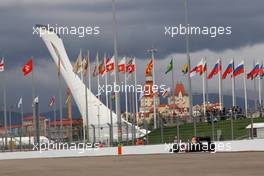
(117, 94)
(153, 51)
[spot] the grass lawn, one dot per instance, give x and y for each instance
(204, 129)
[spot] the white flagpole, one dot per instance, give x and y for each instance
(81, 65)
(220, 84)
(259, 89)
(98, 96)
(233, 87)
(152, 51)
(85, 87)
(245, 92)
(5, 109)
(136, 99)
(204, 96)
(106, 83)
(60, 103)
(117, 81)
(126, 90)
(154, 102)
(260, 85)
(206, 81)
(33, 99)
(55, 115)
(189, 70)
(88, 95)
(86, 126)
(262, 82)
(255, 90)
(22, 118)
(154, 82)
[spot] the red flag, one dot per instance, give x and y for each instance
(2, 65)
(131, 66)
(28, 67)
(122, 65)
(110, 66)
(149, 67)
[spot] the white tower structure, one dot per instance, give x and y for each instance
(56, 48)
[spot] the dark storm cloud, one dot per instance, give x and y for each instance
(140, 26)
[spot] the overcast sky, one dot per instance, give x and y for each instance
(140, 26)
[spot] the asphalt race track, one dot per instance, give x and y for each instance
(191, 164)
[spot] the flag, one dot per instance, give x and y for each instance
(261, 71)
(193, 72)
(199, 68)
(85, 65)
(131, 66)
(217, 68)
(19, 103)
(149, 67)
(170, 67)
(239, 69)
(77, 67)
(96, 71)
(185, 68)
(166, 93)
(254, 72)
(122, 65)
(2, 66)
(101, 68)
(36, 100)
(141, 95)
(110, 64)
(52, 101)
(28, 67)
(68, 99)
(113, 96)
(228, 70)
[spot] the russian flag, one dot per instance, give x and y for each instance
(254, 72)
(217, 68)
(228, 70)
(239, 69)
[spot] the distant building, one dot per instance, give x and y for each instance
(28, 129)
(258, 130)
(179, 102)
(71, 129)
(177, 106)
(147, 100)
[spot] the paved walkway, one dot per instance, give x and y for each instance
(192, 164)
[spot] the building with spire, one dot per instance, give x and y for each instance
(177, 104)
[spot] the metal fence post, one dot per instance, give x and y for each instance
(110, 135)
(11, 143)
(212, 123)
(232, 126)
(20, 142)
(161, 131)
(146, 128)
(29, 141)
(178, 129)
(127, 137)
(94, 139)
